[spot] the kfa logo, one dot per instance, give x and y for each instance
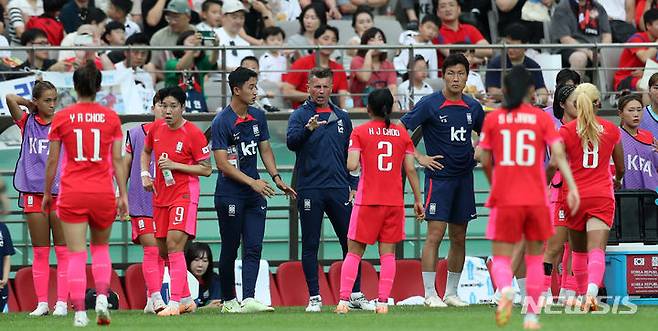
(38, 146)
(307, 204)
(231, 210)
(469, 119)
(637, 163)
(458, 135)
(140, 224)
(340, 126)
(248, 149)
(179, 147)
(432, 208)
(256, 130)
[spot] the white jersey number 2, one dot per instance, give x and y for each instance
(97, 146)
(387, 148)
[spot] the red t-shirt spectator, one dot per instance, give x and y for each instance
(298, 75)
(465, 34)
(629, 60)
(53, 28)
(381, 78)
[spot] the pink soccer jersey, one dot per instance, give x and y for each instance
(382, 155)
(517, 139)
(187, 145)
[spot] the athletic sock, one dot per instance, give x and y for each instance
(178, 275)
(452, 283)
(348, 274)
(151, 269)
(502, 271)
(534, 285)
(101, 268)
(386, 276)
(595, 270)
(77, 277)
(579, 266)
(62, 272)
(429, 280)
(41, 272)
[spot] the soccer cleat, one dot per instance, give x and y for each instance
(102, 310)
(381, 308)
(359, 301)
(251, 305)
(186, 308)
(41, 310)
(314, 304)
(149, 307)
(589, 304)
(454, 301)
(504, 310)
(231, 306)
(531, 322)
(158, 304)
(342, 307)
(60, 309)
(435, 302)
(80, 320)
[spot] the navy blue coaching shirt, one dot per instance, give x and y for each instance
(239, 137)
(447, 127)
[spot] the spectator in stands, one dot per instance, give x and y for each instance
(199, 263)
(639, 151)
(515, 34)
(211, 16)
(3, 40)
(273, 62)
(429, 29)
(567, 29)
(74, 14)
(370, 70)
(510, 11)
(42, 60)
(154, 15)
(190, 62)
(119, 11)
(311, 18)
(137, 60)
(295, 82)
(229, 34)
(114, 34)
(49, 21)
(454, 32)
(416, 79)
(349, 7)
(263, 101)
(81, 57)
(19, 12)
(6, 251)
(650, 118)
(4, 206)
(410, 12)
(177, 15)
(641, 6)
(632, 60)
(258, 17)
(362, 20)
(622, 18)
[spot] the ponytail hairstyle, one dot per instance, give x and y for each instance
(40, 87)
(562, 93)
(587, 126)
(516, 85)
(380, 104)
(87, 80)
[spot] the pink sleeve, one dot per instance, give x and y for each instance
(355, 141)
(54, 134)
(148, 141)
(200, 148)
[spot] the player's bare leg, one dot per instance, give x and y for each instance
(502, 274)
(39, 228)
(348, 273)
(597, 237)
(387, 276)
(552, 257)
(456, 257)
(101, 268)
(152, 268)
(435, 232)
(76, 242)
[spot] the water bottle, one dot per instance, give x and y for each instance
(166, 173)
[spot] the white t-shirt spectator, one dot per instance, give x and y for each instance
(287, 10)
(616, 9)
(401, 61)
(272, 67)
(131, 27)
(233, 57)
(4, 43)
(405, 95)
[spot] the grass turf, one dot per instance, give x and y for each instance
(293, 318)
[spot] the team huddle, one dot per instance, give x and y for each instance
(78, 179)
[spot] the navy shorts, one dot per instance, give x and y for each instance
(450, 200)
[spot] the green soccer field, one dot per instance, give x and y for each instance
(293, 318)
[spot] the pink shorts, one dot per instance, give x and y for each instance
(510, 224)
(32, 202)
(369, 224)
(179, 216)
(141, 226)
(99, 209)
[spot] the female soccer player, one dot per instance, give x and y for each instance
(182, 154)
(29, 181)
(141, 211)
(381, 149)
(590, 141)
(641, 157)
(90, 137)
(517, 136)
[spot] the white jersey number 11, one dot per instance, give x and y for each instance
(97, 146)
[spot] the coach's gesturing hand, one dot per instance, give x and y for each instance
(285, 188)
(262, 187)
(313, 123)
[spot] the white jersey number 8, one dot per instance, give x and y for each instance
(591, 157)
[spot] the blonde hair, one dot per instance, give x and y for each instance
(587, 126)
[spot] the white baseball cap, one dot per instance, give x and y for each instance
(232, 6)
